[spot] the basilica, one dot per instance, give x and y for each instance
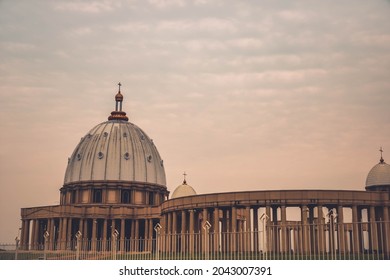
(115, 187)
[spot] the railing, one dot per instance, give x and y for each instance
(329, 241)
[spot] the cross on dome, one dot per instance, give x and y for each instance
(118, 114)
(381, 160)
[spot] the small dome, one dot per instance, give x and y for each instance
(119, 96)
(183, 190)
(379, 176)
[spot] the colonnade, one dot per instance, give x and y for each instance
(265, 228)
(96, 233)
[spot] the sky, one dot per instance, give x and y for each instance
(241, 95)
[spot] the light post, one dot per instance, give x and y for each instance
(46, 238)
(331, 217)
(78, 241)
(264, 217)
(206, 227)
(16, 246)
(115, 235)
(157, 229)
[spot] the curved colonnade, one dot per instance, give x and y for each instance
(299, 221)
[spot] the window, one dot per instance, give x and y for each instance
(151, 198)
(97, 196)
(73, 196)
(125, 196)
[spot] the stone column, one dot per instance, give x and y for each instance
(373, 230)
(304, 232)
(60, 238)
(386, 227)
(69, 234)
(355, 229)
(247, 230)
(104, 245)
(255, 229)
(64, 227)
(341, 230)
(234, 229)
(51, 230)
(268, 227)
(169, 231)
(122, 235)
(24, 235)
(151, 230)
(275, 230)
(33, 234)
(216, 230)
(137, 235)
(183, 231)
(93, 237)
(320, 229)
(284, 241)
(202, 231)
(174, 231)
(191, 226)
(146, 239)
(133, 241)
(85, 231)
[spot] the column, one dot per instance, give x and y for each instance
(255, 229)
(216, 230)
(340, 230)
(355, 229)
(59, 238)
(284, 242)
(164, 232)
(183, 231)
(122, 235)
(146, 239)
(93, 237)
(275, 230)
(202, 230)
(268, 236)
(169, 231)
(234, 230)
(104, 245)
(24, 235)
(137, 234)
(304, 231)
(386, 238)
(69, 234)
(373, 230)
(33, 235)
(191, 226)
(64, 227)
(320, 229)
(174, 231)
(86, 230)
(151, 230)
(52, 234)
(247, 230)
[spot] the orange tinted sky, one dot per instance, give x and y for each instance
(242, 95)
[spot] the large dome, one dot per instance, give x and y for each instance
(116, 150)
(379, 176)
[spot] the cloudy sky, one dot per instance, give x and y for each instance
(242, 95)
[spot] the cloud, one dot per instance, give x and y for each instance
(88, 7)
(164, 4)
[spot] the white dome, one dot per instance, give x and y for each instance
(116, 150)
(379, 175)
(183, 190)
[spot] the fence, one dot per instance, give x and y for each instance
(328, 241)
